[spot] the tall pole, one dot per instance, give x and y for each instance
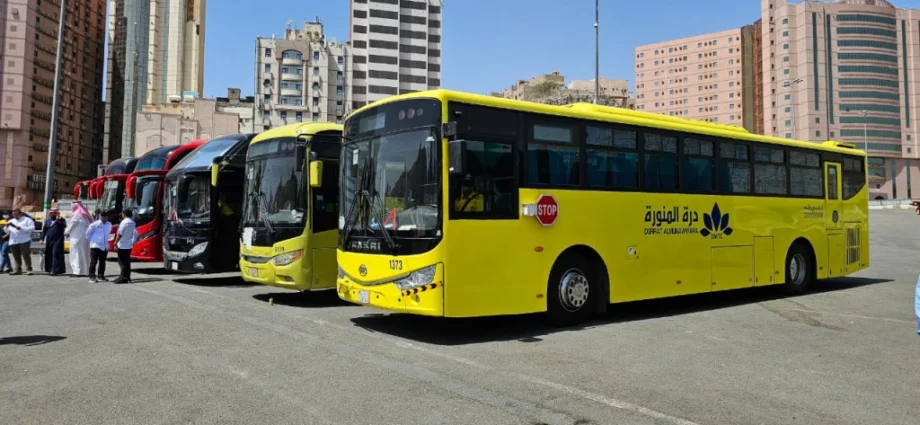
(597, 54)
(55, 115)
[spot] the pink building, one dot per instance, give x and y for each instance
(696, 77)
(28, 46)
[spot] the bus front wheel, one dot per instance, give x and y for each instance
(572, 290)
(800, 269)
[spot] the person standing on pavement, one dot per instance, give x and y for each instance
(124, 242)
(79, 246)
(97, 234)
(20, 229)
(5, 264)
(53, 238)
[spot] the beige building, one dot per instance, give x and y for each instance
(397, 47)
(177, 123)
(301, 77)
(697, 77)
(847, 71)
(28, 49)
(245, 108)
(552, 89)
(155, 55)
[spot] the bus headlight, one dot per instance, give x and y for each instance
(198, 249)
(417, 278)
(287, 257)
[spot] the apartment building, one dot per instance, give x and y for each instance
(301, 77)
(552, 89)
(847, 71)
(397, 47)
(699, 77)
(28, 46)
(156, 53)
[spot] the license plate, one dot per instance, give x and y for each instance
(174, 266)
(254, 272)
(364, 297)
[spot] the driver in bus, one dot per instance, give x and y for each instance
(470, 200)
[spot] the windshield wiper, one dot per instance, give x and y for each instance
(351, 216)
(363, 194)
(263, 211)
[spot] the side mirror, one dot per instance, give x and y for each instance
(456, 157)
(215, 170)
(316, 173)
(130, 188)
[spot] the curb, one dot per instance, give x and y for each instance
(891, 207)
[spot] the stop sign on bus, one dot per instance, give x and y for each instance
(547, 210)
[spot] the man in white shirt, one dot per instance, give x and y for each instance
(20, 228)
(97, 234)
(124, 242)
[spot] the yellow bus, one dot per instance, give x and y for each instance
(512, 207)
(289, 229)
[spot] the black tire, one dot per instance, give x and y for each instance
(800, 270)
(572, 291)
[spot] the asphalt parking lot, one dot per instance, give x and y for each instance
(173, 349)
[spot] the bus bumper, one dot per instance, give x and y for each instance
(178, 261)
(425, 300)
(149, 249)
(290, 276)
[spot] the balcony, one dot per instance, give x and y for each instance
(292, 61)
(291, 92)
(290, 76)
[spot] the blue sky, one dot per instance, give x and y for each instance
(488, 44)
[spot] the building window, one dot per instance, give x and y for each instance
(268, 67)
(785, 21)
(300, 117)
(316, 56)
(268, 52)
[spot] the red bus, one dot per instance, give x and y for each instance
(81, 190)
(144, 190)
(109, 190)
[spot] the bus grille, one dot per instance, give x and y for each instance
(256, 260)
(853, 235)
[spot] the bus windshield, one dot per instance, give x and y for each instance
(144, 207)
(194, 203)
(108, 201)
(391, 184)
(275, 184)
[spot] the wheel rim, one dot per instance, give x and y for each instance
(573, 290)
(797, 269)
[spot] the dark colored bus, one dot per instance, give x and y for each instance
(202, 203)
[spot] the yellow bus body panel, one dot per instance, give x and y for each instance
(651, 244)
(317, 250)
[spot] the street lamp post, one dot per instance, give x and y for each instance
(55, 113)
(597, 66)
(791, 85)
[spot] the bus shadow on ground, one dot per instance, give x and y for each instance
(529, 328)
(318, 299)
(155, 271)
(224, 282)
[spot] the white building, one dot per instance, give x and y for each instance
(301, 77)
(397, 47)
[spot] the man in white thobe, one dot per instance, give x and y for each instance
(80, 220)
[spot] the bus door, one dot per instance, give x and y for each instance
(324, 233)
(833, 202)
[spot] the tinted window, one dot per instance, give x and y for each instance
(552, 155)
(661, 169)
(698, 168)
(734, 168)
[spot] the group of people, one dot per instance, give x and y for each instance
(89, 243)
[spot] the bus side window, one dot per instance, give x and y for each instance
(487, 189)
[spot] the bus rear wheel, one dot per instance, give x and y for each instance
(571, 291)
(800, 270)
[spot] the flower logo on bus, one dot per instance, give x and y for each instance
(715, 224)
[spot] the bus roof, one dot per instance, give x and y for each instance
(201, 158)
(296, 129)
(617, 115)
(121, 166)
